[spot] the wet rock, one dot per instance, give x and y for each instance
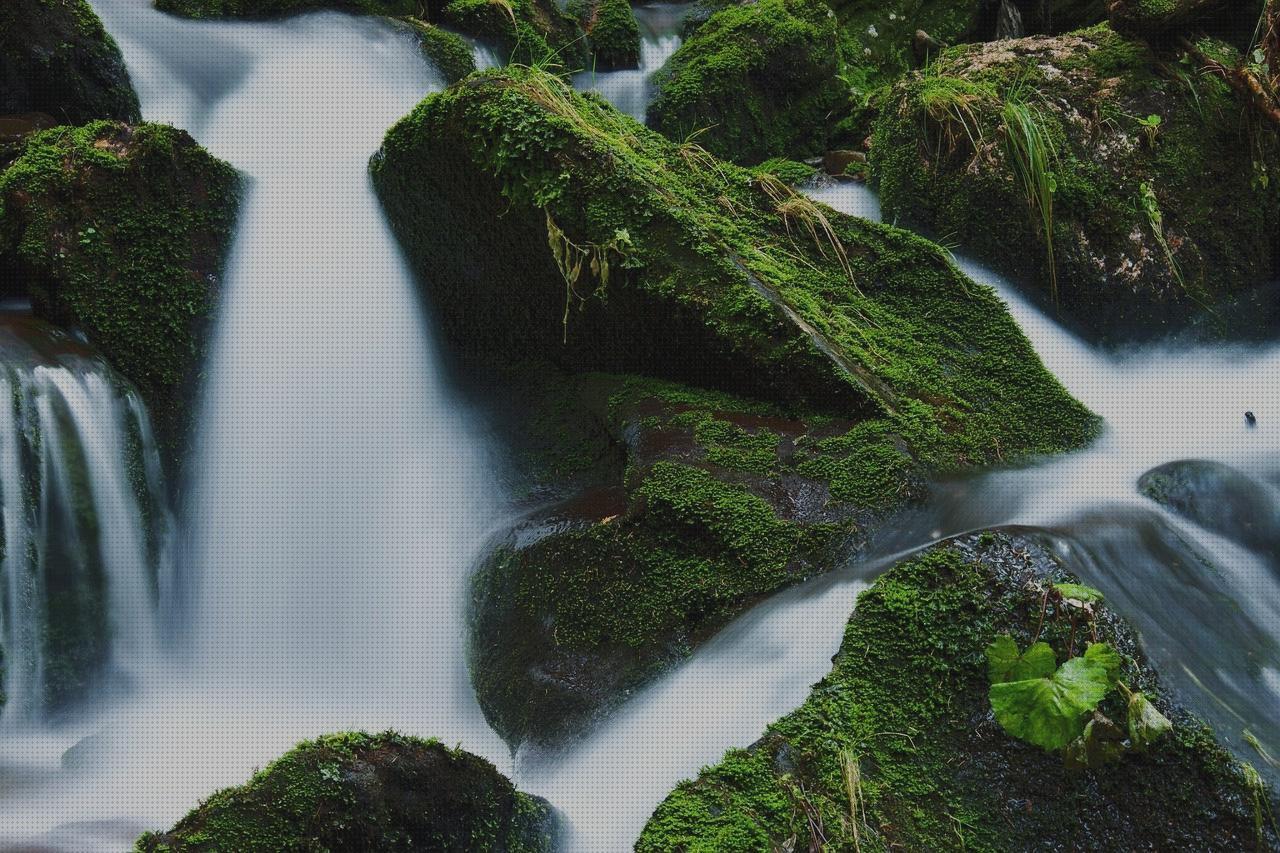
(1220, 499)
(1155, 184)
(56, 58)
(121, 232)
(449, 52)
(801, 398)
(902, 726)
(355, 791)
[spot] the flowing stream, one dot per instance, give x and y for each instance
(340, 491)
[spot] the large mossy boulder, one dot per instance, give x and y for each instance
(707, 502)
(755, 81)
(860, 362)
(1163, 21)
(898, 748)
(526, 31)
(56, 59)
(121, 232)
(1131, 193)
(355, 791)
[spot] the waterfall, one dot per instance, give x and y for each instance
(631, 89)
(86, 533)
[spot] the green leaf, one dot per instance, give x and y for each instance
(1106, 657)
(1005, 663)
(1078, 592)
(1049, 712)
(1146, 724)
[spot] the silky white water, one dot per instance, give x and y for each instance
(340, 493)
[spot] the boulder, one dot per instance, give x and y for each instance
(898, 748)
(355, 791)
(449, 52)
(1220, 499)
(713, 502)
(274, 8)
(121, 232)
(755, 81)
(55, 58)
(1129, 194)
(817, 369)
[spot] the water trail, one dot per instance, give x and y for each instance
(340, 493)
(86, 538)
(631, 89)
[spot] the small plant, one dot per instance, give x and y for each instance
(1033, 156)
(1054, 706)
(1150, 127)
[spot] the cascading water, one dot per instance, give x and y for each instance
(86, 538)
(631, 89)
(340, 494)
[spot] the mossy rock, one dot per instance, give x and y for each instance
(355, 791)
(1164, 186)
(122, 231)
(904, 721)
(887, 364)
(715, 501)
(704, 273)
(613, 35)
(755, 81)
(1162, 21)
(56, 58)
(277, 8)
(449, 52)
(525, 31)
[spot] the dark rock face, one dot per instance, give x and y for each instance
(122, 231)
(903, 727)
(56, 58)
(355, 791)
(1152, 199)
(1220, 499)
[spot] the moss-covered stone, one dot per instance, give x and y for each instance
(448, 51)
(122, 231)
(755, 81)
(526, 31)
(355, 791)
(56, 58)
(716, 501)
(1164, 198)
(703, 273)
(613, 35)
(1162, 20)
(873, 358)
(275, 8)
(902, 727)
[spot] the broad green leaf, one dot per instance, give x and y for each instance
(1104, 656)
(1005, 663)
(1146, 724)
(1049, 712)
(1078, 592)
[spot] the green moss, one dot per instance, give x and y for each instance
(903, 720)
(529, 31)
(612, 32)
(787, 171)
(122, 232)
(825, 366)
(354, 791)
(877, 37)
(274, 8)
(755, 81)
(58, 59)
(941, 163)
(449, 52)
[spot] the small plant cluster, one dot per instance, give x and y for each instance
(1056, 707)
